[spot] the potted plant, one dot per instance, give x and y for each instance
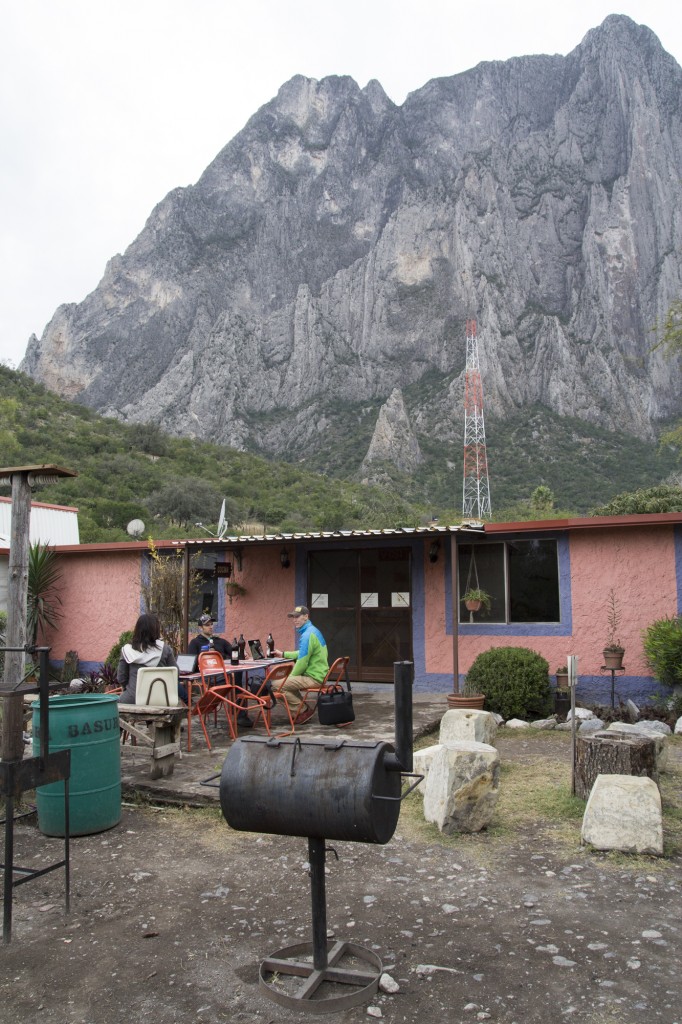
(613, 651)
(562, 700)
(561, 678)
(234, 589)
(475, 598)
(470, 697)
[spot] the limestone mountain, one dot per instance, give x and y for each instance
(333, 250)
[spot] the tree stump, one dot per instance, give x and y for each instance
(604, 753)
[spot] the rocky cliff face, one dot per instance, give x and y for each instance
(333, 250)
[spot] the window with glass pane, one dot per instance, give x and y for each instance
(482, 565)
(533, 581)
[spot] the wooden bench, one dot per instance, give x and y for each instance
(162, 733)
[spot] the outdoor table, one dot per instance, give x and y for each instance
(193, 682)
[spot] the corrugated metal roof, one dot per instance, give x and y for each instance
(398, 531)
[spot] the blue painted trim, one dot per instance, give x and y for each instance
(525, 629)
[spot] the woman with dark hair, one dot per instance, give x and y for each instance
(145, 650)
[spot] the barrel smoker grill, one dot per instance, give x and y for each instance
(322, 790)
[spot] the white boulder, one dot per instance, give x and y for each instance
(678, 726)
(421, 764)
(516, 723)
(462, 786)
(467, 724)
(582, 713)
(591, 725)
(544, 723)
(624, 813)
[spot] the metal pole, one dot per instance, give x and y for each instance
(9, 874)
(454, 566)
(316, 855)
(572, 663)
(403, 678)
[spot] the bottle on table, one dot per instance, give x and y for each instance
(241, 644)
(269, 646)
(234, 653)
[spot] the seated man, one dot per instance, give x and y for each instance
(311, 666)
(206, 641)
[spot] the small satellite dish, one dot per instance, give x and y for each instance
(222, 525)
(135, 527)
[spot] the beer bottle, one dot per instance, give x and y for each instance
(270, 646)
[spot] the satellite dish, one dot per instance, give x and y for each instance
(135, 527)
(222, 525)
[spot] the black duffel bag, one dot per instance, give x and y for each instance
(335, 706)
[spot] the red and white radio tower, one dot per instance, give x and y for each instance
(476, 494)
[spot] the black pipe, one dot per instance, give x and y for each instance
(316, 856)
(403, 678)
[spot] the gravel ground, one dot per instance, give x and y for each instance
(172, 913)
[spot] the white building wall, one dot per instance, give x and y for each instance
(50, 524)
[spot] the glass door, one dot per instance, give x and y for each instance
(361, 601)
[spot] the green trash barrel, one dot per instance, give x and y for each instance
(87, 724)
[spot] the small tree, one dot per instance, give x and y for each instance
(44, 583)
(163, 592)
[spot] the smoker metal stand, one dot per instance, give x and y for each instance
(326, 960)
(17, 776)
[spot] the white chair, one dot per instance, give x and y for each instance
(157, 687)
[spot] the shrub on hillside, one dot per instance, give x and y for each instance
(515, 681)
(663, 649)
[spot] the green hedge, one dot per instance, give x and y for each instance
(663, 649)
(515, 681)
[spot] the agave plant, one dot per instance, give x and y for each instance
(44, 580)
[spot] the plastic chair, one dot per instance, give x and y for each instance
(336, 675)
(157, 687)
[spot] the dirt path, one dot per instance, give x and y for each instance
(173, 912)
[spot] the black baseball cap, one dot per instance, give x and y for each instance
(300, 609)
(204, 620)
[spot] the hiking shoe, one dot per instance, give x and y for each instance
(304, 716)
(244, 721)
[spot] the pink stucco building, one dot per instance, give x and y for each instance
(383, 596)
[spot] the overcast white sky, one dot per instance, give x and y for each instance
(106, 105)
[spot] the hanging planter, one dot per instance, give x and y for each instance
(234, 589)
(474, 599)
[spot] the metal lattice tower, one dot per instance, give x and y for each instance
(476, 492)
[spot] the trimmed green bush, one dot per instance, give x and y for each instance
(114, 655)
(663, 649)
(515, 681)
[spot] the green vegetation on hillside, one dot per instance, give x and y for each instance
(136, 472)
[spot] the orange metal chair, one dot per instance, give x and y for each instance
(229, 696)
(210, 702)
(337, 674)
(275, 678)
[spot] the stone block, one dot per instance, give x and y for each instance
(649, 730)
(591, 725)
(467, 724)
(624, 813)
(421, 761)
(462, 786)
